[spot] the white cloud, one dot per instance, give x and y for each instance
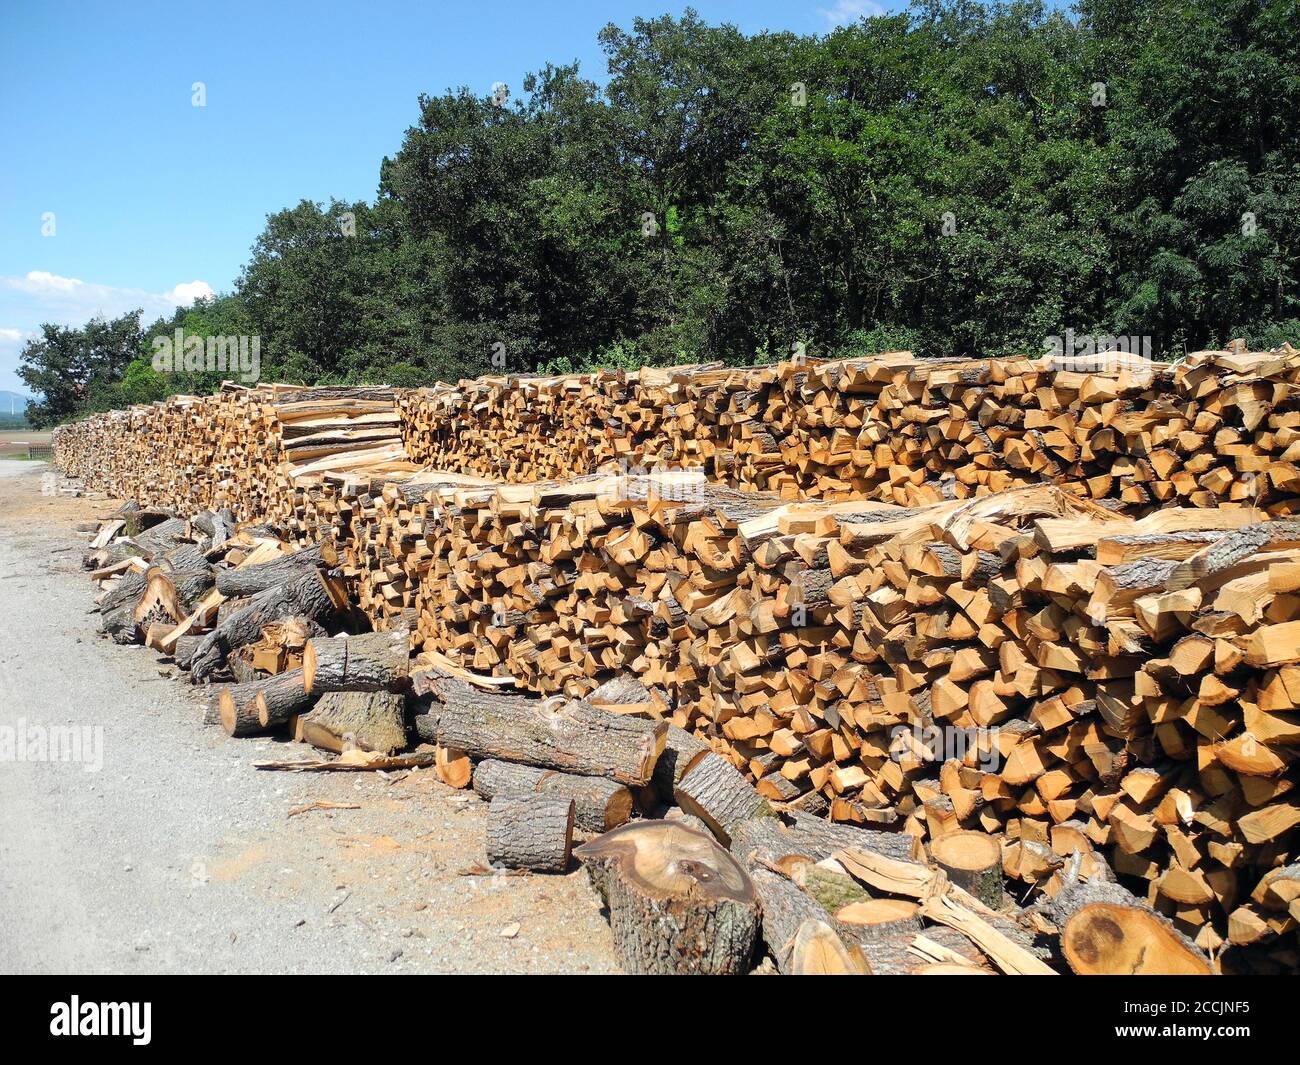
(47, 297)
(40, 296)
(846, 11)
(188, 291)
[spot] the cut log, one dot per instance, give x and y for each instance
(1105, 931)
(530, 831)
(308, 596)
(569, 736)
(880, 918)
(601, 804)
(241, 581)
(678, 903)
(819, 951)
(454, 768)
(973, 861)
(369, 721)
(712, 790)
(281, 697)
(373, 661)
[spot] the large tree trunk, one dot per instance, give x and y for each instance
(678, 903)
(307, 596)
(571, 737)
(373, 661)
(372, 721)
(601, 804)
(249, 580)
(713, 790)
(530, 831)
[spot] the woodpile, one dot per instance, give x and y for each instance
(1014, 627)
(1219, 428)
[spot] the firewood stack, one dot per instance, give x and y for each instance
(1059, 610)
(1026, 664)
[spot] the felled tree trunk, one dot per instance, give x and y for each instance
(815, 839)
(282, 697)
(678, 903)
(372, 721)
(373, 661)
(1107, 931)
(601, 804)
(973, 861)
(307, 596)
(680, 747)
(571, 737)
(530, 831)
(249, 580)
(713, 790)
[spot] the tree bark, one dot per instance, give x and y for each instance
(601, 804)
(373, 661)
(572, 737)
(372, 721)
(249, 580)
(530, 831)
(713, 790)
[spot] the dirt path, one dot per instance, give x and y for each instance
(177, 856)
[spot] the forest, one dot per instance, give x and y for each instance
(961, 179)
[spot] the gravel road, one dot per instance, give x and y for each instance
(173, 854)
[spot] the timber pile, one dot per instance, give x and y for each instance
(1218, 429)
(1118, 686)
(262, 453)
(954, 653)
(717, 866)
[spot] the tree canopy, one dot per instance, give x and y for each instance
(961, 179)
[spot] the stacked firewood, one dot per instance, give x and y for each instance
(259, 452)
(239, 607)
(1217, 429)
(522, 429)
(1026, 664)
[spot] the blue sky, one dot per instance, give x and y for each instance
(152, 201)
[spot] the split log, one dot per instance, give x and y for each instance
(371, 721)
(679, 748)
(530, 831)
(819, 951)
(712, 790)
(973, 861)
(571, 737)
(678, 903)
(373, 661)
(308, 596)
(601, 804)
